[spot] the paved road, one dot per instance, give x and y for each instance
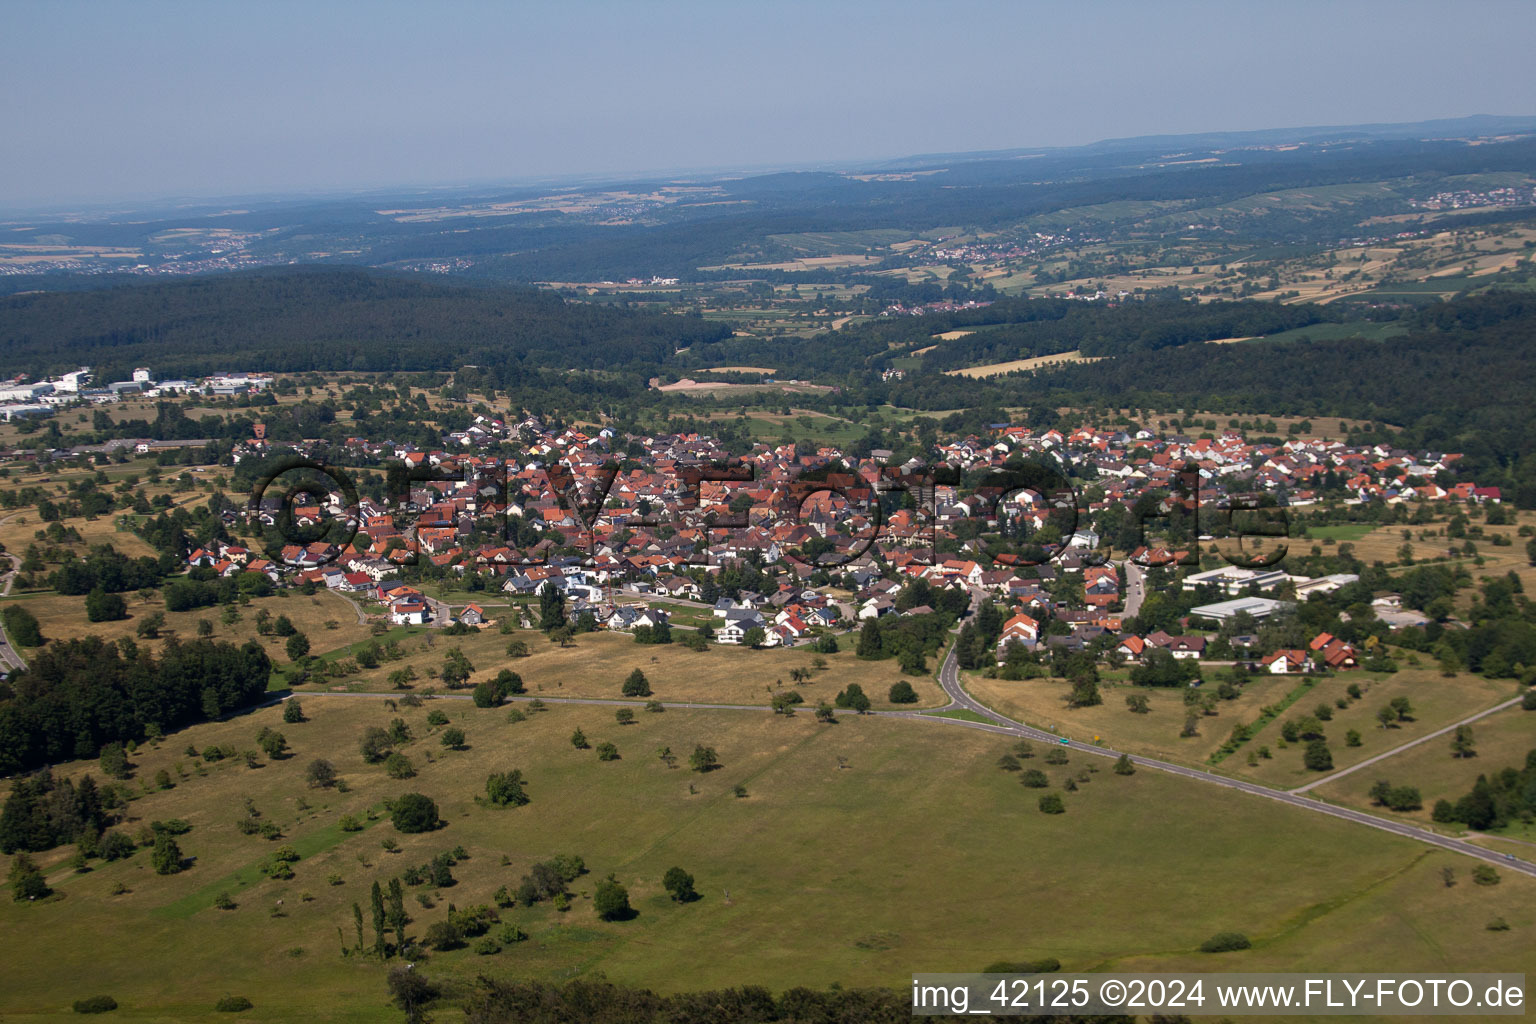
(960, 700)
(10, 657)
(362, 618)
(1411, 743)
(1135, 588)
(949, 678)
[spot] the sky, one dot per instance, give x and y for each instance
(105, 101)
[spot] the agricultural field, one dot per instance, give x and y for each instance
(1033, 363)
(846, 853)
(596, 664)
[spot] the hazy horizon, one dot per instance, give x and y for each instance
(164, 100)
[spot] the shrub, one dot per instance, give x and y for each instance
(166, 857)
(444, 935)
(1225, 942)
(414, 812)
(637, 685)
(27, 882)
(232, 1004)
(1484, 874)
(436, 717)
(611, 900)
(1034, 778)
(679, 884)
(95, 1004)
(453, 739)
(505, 789)
(399, 766)
(1318, 757)
(115, 845)
(1051, 803)
(607, 752)
(902, 693)
(320, 773)
(293, 712)
(487, 946)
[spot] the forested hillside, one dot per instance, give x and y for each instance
(297, 320)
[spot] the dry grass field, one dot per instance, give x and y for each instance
(1042, 703)
(860, 852)
(1502, 741)
(596, 665)
(63, 617)
(1437, 702)
(995, 369)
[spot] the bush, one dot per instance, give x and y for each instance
(1318, 757)
(505, 789)
(95, 1004)
(1484, 874)
(607, 752)
(637, 685)
(399, 766)
(453, 739)
(115, 845)
(1051, 803)
(902, 693)
(1225, 942)
(293, 712)
(1528, 702)
(1034, 778)
(487, 946)
(611, 900)
(21, 625)
(232, 1004)
(166, 857)
(679, 884)
(444, 935)
(320, 773)
(414, 812)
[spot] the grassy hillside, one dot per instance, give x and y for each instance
(861, 852)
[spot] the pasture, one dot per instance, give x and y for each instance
(860, 852)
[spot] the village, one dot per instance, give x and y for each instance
(649, 533)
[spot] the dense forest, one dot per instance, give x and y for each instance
(78, 695)
(322, 319)
(601, 1002)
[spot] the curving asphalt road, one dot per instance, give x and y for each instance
(949, 678)
(960, 700)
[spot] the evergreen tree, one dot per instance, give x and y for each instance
(376, 896)
(870, 645)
